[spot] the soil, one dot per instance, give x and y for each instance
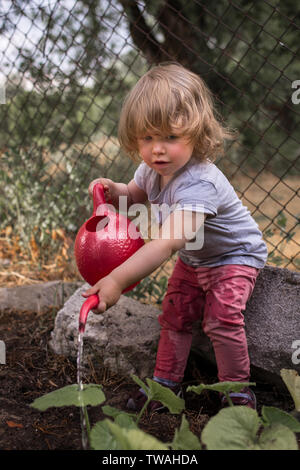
(32, 370)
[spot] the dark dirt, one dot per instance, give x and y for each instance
(32, 370)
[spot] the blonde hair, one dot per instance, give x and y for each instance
(171, 99)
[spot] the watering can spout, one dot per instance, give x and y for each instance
(90, 303)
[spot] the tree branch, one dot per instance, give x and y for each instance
(180, 41)
(141, 33)
(177, 31)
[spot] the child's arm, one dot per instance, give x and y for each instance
(113, 191)
(179, 227)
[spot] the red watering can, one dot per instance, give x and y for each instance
(104, 241)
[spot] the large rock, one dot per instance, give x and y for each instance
(125, 337)
(36, 297)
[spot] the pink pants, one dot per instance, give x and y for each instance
(217, 296)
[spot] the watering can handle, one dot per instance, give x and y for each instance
(98, 197)
(91, 302)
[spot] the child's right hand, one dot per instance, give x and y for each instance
(108, 186)
(108, 291)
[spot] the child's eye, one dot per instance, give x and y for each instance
(172, 137)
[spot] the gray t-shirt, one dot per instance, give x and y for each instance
(231, 235)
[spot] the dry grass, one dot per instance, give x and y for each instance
(266, 196)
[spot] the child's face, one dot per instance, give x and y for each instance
(165, 154)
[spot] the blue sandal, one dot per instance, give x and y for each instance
(246, 397)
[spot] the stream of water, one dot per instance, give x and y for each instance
(84, 434)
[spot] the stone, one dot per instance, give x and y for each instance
(36, 297)
(123, 339)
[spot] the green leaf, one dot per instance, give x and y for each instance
(281, 219)
(166, 396)
(91, 394)
(125, 421)
(269, 233)
(223, 387)
(135, 439)
(277, 437)
(156, 391)
(140, 383)
(272, 415)
(233, 428)
(114, 412)
(101, 437)
(292, 381)
(184, 439)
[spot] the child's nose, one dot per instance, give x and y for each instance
(158, 148)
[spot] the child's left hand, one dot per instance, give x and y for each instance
(108, 292)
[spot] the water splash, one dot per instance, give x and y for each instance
(83, 412)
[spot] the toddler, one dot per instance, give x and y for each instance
(169, 122)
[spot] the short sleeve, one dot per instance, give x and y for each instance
(199, 196)
(139, 176)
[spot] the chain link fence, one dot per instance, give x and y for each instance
(65, 69)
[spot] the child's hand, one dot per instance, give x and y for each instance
(108, 186)
(108, 292)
